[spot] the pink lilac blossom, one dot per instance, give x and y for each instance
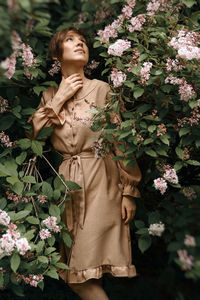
(160, 184)
(44, 234)
(170, 175)
(117, 77)
(189, 241)
(186, 43)
(5, 140)
(93, 65)
(16, 198)
(131, 3)
(156, 229)
(193, 120)
(55, 68)
(4, 106)
(22, 246)
(136, 23)
(101, 14)
(186, 91)
(161, 129)
(4, 218)
(119, 47)
(82, 18)
(173, 65)
(42, 199)
(108, 32)
(27, 56)
(145, 72)
(127, 11)
(31, 279)
(12, 5)
(174, 80)
(154, 6)
(9, 64)
(50, 223)
(186, 259)
(7, 244)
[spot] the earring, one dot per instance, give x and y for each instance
(55, 68)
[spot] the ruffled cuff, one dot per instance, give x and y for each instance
(56, 118)
(131, 190)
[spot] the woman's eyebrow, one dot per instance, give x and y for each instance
(71, 35)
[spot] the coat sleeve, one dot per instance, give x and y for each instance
(46, 114)
(129, 176)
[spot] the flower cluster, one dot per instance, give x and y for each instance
(16, 198)
(189, 193)
(186, 259)
(101, 14)
(117, 77)
(55, 68)
(20, 49)
(44, 234)
(3, 105)
(11, 240)
(156, 229)
(193, 120)
(42, 199)
(169, 174)
(32, 279)
(93, 65)
(98, 149)
(189, 241)
(186, 43)
(145, 72)
(119, 47)
(161, 129)
(50, 223)
(82, 18)
(4, 218)
(173, 65)
(186, 91)
(136, 23)
(154, 6)
(134, 59)
(5, 140)
(110, 31)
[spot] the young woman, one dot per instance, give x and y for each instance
(97, 215)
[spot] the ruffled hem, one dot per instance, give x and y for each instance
(74, 276)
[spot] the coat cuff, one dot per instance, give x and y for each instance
(56, 118)
(129, 190)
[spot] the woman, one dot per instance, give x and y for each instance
(97, 215)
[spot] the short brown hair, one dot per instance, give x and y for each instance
(55, 45)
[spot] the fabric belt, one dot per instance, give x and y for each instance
(75, 171)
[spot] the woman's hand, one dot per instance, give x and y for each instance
(67, 88)
(128, 209)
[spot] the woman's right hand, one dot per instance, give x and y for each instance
(67, 88)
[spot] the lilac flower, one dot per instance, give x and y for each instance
(4, 218)
(156, 229)
(170, 175)
(189, 241)
(160, 184)
(119, 47)
(44, 234)
(117, 77)
(50, 223)
(186, 259)
(145, 72)
(22, 246)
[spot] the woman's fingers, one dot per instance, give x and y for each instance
(129, 215)
(123, 212)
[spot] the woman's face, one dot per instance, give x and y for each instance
(75, 49)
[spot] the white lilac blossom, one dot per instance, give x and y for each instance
(154, 6)
(189, 241)
(136, 23)
(160, 184)
(119, 47)
(44, 234)
(145, 72)
(4, 106)
(22, 246)
(186, 43)
(50, 223)
(170, 175)
(186, 259)
(186, 92)
(7, 244)
(4, 218)
(117, 77)
(173, 65)
(156, 229)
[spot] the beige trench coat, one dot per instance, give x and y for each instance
(101, 241)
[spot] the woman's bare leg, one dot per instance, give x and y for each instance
(89, 290)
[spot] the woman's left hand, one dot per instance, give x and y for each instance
(128, 209)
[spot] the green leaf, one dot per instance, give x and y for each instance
(164, 139)
(138, 92)
(178, 165)
(174, 246)
(39, 247)
(189, 3)
(1, 280)
(142, 231)
(67, 239)
(73, 186)
(144, 242)
(62, 266)
(28, 111)
(179, 152)
(21, 214)
(193, 162)
(29, 179)
(45, 132)
(150, 152)
(39, 89)
(37, 147)
(139, 224)
(18, 188)
(6, 122)
(51, 240)
(30, 234)
(41, 285)
(43, 259)
(47, 189)
(12, 180)
(52, 273)
(24, 144)
(183, 131)
(152, 128)
(3, 203)
(54, 210)
(49, 250)
(15, 262)
(21, 158)
(33, 220)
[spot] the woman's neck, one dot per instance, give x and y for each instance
(68, 70)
